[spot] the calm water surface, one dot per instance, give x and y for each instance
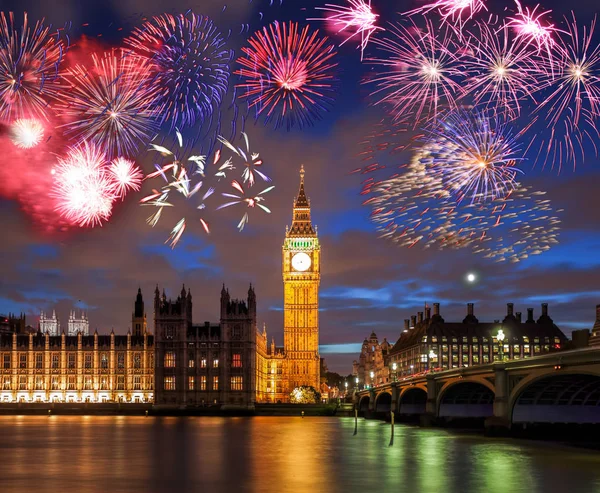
(66, 454)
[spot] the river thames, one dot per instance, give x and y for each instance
(269, 454)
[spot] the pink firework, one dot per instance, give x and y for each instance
(288, 74)
(26, 133)
(83, 189)
(530, 26)
(356, 19)
(501, 71)
(125, 175)
(455, 10)
(419, 72)
(572, 107)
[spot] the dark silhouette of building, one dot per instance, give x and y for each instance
(209, 364)
(138, 318)
(428, 341)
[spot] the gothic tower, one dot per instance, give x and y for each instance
(138, 317)
(301, 277)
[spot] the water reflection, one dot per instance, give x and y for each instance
(155, 455)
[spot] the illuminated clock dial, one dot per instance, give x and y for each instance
(301, 262)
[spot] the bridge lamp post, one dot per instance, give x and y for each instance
(356, 383)
(432, 356)
(394, 368)
(500, 336)
(411, 369)
(346, 392)
(372, 375)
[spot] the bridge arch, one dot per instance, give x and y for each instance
(413, 400)
(557, 397)
(466, 398)
(383, 402)
(363, 404)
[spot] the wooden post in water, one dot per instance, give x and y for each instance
(392, 437)
(355, 421)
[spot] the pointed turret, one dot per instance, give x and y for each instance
(301, 222)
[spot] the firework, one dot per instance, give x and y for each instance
(288, 74)
(530, 27)
(418, 72)
(111, 103)
(29, 68)
(455, 10)
(26, 133)
(191, 65)
(474, 154)
(357, 19)
(178, 178)
(83, 189)
(572, 108)
(125, 176)
(245, 198)
(251, 160)
(501, 72)
(417, 209)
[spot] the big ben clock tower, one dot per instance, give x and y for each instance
(301, 277)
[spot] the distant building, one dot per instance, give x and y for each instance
(595, 337)
(80, 368)
(372, 359)
(49, 325)
(209, 364)
(12, 323)
(78, 325)
(138, 317)
(429, 342)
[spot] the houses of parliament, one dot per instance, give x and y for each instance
(231, 363)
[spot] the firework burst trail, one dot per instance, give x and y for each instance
(251, 160)
(244, 198)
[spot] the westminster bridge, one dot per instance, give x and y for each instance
(561, 387)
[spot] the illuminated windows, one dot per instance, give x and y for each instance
(203, 363)
(215, 363)
(215, 385)
(104, 361)
(104, 383)
(72, 362)
(87, 383)
(39, 383)
(237, 360)
(71, 383)
(237, 383)
(191, 360)
(120, 360)
(120, 382)
(7, 361)
(169, 359)
(39, 361)
(169, 382)
(137, 361)
(88, 360)
(137, 382)
(22, 382)
(23, 360)
(6, 384)
(55, 360)
(203, 382)
(191, 383)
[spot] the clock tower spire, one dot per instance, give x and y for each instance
(301, 277)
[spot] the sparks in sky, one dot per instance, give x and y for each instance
(530, 26)
(125, 175)
(29, 68)
(111, 102)
(83, 189)
(418, 68)
(355, 19)
(287, 74)
(572, 108)
(474, 153)
(251, 160)
(251, 201)
(191, 65)
(26, 133)
(455, 10)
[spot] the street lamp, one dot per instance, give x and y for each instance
(432, 356)
(500, 336)
(394, 368)
(372, 375)
(411, 369)
(356, 382)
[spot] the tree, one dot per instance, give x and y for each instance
(305, 395)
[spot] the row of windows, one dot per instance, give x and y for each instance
(39, 383)
(88, 360)
(170, 361)
(474, 339)
(236, 383)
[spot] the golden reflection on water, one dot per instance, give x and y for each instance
(267, 454)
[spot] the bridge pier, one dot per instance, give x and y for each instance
(430, 416)
(499, 423)
(395, 406)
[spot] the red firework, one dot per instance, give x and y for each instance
(288, 74)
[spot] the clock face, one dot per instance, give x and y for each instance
(301, 262)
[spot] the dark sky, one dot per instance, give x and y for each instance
(367, 284)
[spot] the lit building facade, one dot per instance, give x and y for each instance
(297, 363)
(49, 325)
(372, 359)
(98, 368)
(78, 325)
(209, 364)
(595, 336)
(429, 342)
